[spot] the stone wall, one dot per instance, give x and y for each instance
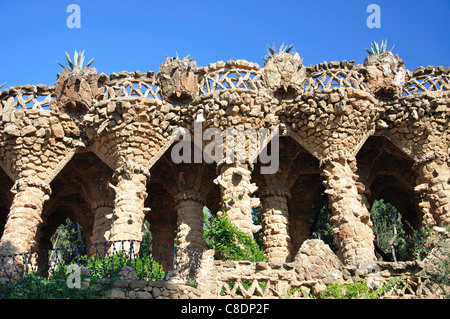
(315, 267)
(356, 132)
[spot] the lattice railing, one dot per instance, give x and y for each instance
(238, 74)
(433, 80)
(131, 87)
(26, 97)
(334, 77)
(221, 76)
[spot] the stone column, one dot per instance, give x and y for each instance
(190, 220)
(103, 222)
(236, 190)
(24, 218)
(190, 231)
(351, 217)
(277, 242)
(433, 188)
(129, 211)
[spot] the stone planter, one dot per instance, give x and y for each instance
(284, 74)
(76, 90)
(178, 80)
(385, 75)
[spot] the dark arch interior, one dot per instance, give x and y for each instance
(298, 171)
(84, 180)
(5, 198)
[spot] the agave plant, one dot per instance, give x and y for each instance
(177, 58)
(376, 49)
(78, 60)
(282, 49)
(271, 51)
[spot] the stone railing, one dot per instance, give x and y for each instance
(129, 84)
(314, 269)
(334, 74)
(428, 79)
(26, 97)
(231, 75)
(220, 76)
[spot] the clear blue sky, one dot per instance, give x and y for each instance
(138, 35)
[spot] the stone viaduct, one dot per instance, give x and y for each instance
(97, 148)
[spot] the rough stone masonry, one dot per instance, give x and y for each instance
(96, 148)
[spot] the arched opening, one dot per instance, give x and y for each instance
(81, 184)
(299, 174)
(320, 218)
(389, 179)
(388, 227)
(168, 180)
(5, 198)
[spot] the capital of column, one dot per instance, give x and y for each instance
(128, 168)
(191, 194)
(23, 183)
(439, 156)
(275, 190)
(341, 157)
(224, 163)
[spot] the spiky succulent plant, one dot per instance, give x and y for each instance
(177, 58)
(376, 49)
(78, 60)
(282, 49)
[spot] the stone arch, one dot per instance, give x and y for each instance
(80, 192)
(172, 183)
(287, 197)
(387, 173)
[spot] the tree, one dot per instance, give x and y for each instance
(388, 229)
(67, 235)
(320, 217)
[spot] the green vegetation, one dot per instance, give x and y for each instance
(271, 51)
(358, 290)
(34, 286)
(177, 58)
(424, 241)
(228, 242)
(93, 283)
(376, 49)
(322, 228)
(390, 237)
(283, 49)
(78, 60)
(2, 85)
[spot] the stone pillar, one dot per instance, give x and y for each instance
(24, 218)
(236, 191)
(433, 188)
(190, 220)
(277, 242)
(129, 211)
(103, 212)
(351, 217)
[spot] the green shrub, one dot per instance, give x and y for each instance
(357, 290)
(230, 243)
(109, 267)
(33, 286)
